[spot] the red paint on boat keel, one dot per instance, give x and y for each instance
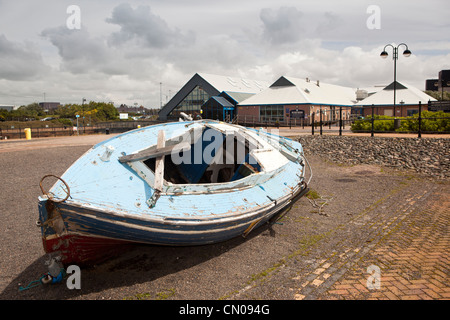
(84, 250)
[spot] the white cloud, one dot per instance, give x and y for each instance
(20, 61)
(123, 51)
(143, 27)
(80, 52)
(283, 25)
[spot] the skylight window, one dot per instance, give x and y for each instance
(246, 83)
(232, 82)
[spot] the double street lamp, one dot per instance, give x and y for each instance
(384, 55)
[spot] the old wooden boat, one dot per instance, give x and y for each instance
(180, 183)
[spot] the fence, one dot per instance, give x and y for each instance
(256, 121)
(317, 123)
(17, 132)
(411, 124)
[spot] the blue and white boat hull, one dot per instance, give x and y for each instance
(114, 194)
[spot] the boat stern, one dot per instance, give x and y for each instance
(52, 226)
(72, 247)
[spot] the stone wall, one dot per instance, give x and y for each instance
(428, 156)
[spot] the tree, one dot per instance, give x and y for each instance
(68, 110)
(33, 110)
(438, 95)
(105, 111)
(96, 111)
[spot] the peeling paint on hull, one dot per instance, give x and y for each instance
(87, 237)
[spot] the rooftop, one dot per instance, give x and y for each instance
(234, 84)
(404, 94)
(288, 90)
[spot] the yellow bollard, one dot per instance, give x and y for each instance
(27, 133)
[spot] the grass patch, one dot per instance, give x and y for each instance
(308, 242)
(260, 276)
(163, 295)
(313, 194)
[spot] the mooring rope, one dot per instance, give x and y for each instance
(315, 205)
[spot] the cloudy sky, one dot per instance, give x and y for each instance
(122, 51)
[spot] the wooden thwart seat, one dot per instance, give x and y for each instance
(153, 152)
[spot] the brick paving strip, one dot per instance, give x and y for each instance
(401, 234)
(409, 245)
(413, 258)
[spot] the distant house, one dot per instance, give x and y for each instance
(440, 84)
(126, 109)
(407, 100)
(49, 106)
(8, 107)
(292, 98)
(432, 84)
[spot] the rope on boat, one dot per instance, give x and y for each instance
(49, 195)
(310, 170)
(45, 279)
(55, 274)
(33, 284)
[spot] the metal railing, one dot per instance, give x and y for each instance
(318, 122)
(396, 123)
(18, 131)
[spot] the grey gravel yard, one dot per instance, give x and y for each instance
(271, 263)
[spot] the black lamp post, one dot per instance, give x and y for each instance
(82, 107)
(384, 55)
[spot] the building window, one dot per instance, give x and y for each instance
(192, 103)
(271, 113)
(213, 110)
(411, 112)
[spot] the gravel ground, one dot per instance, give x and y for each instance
(262, 266)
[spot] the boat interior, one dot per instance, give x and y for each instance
(206, 156)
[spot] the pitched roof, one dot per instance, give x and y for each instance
(236, 96)
(404, 94)
(288, 90)
(223, 102)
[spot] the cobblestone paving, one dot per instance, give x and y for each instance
(410, 246)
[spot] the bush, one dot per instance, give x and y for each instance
(439, 122)
(431, 122)
(382, 123)
(66, 122)
(95, 111)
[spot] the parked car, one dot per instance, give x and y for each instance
(48, 119)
